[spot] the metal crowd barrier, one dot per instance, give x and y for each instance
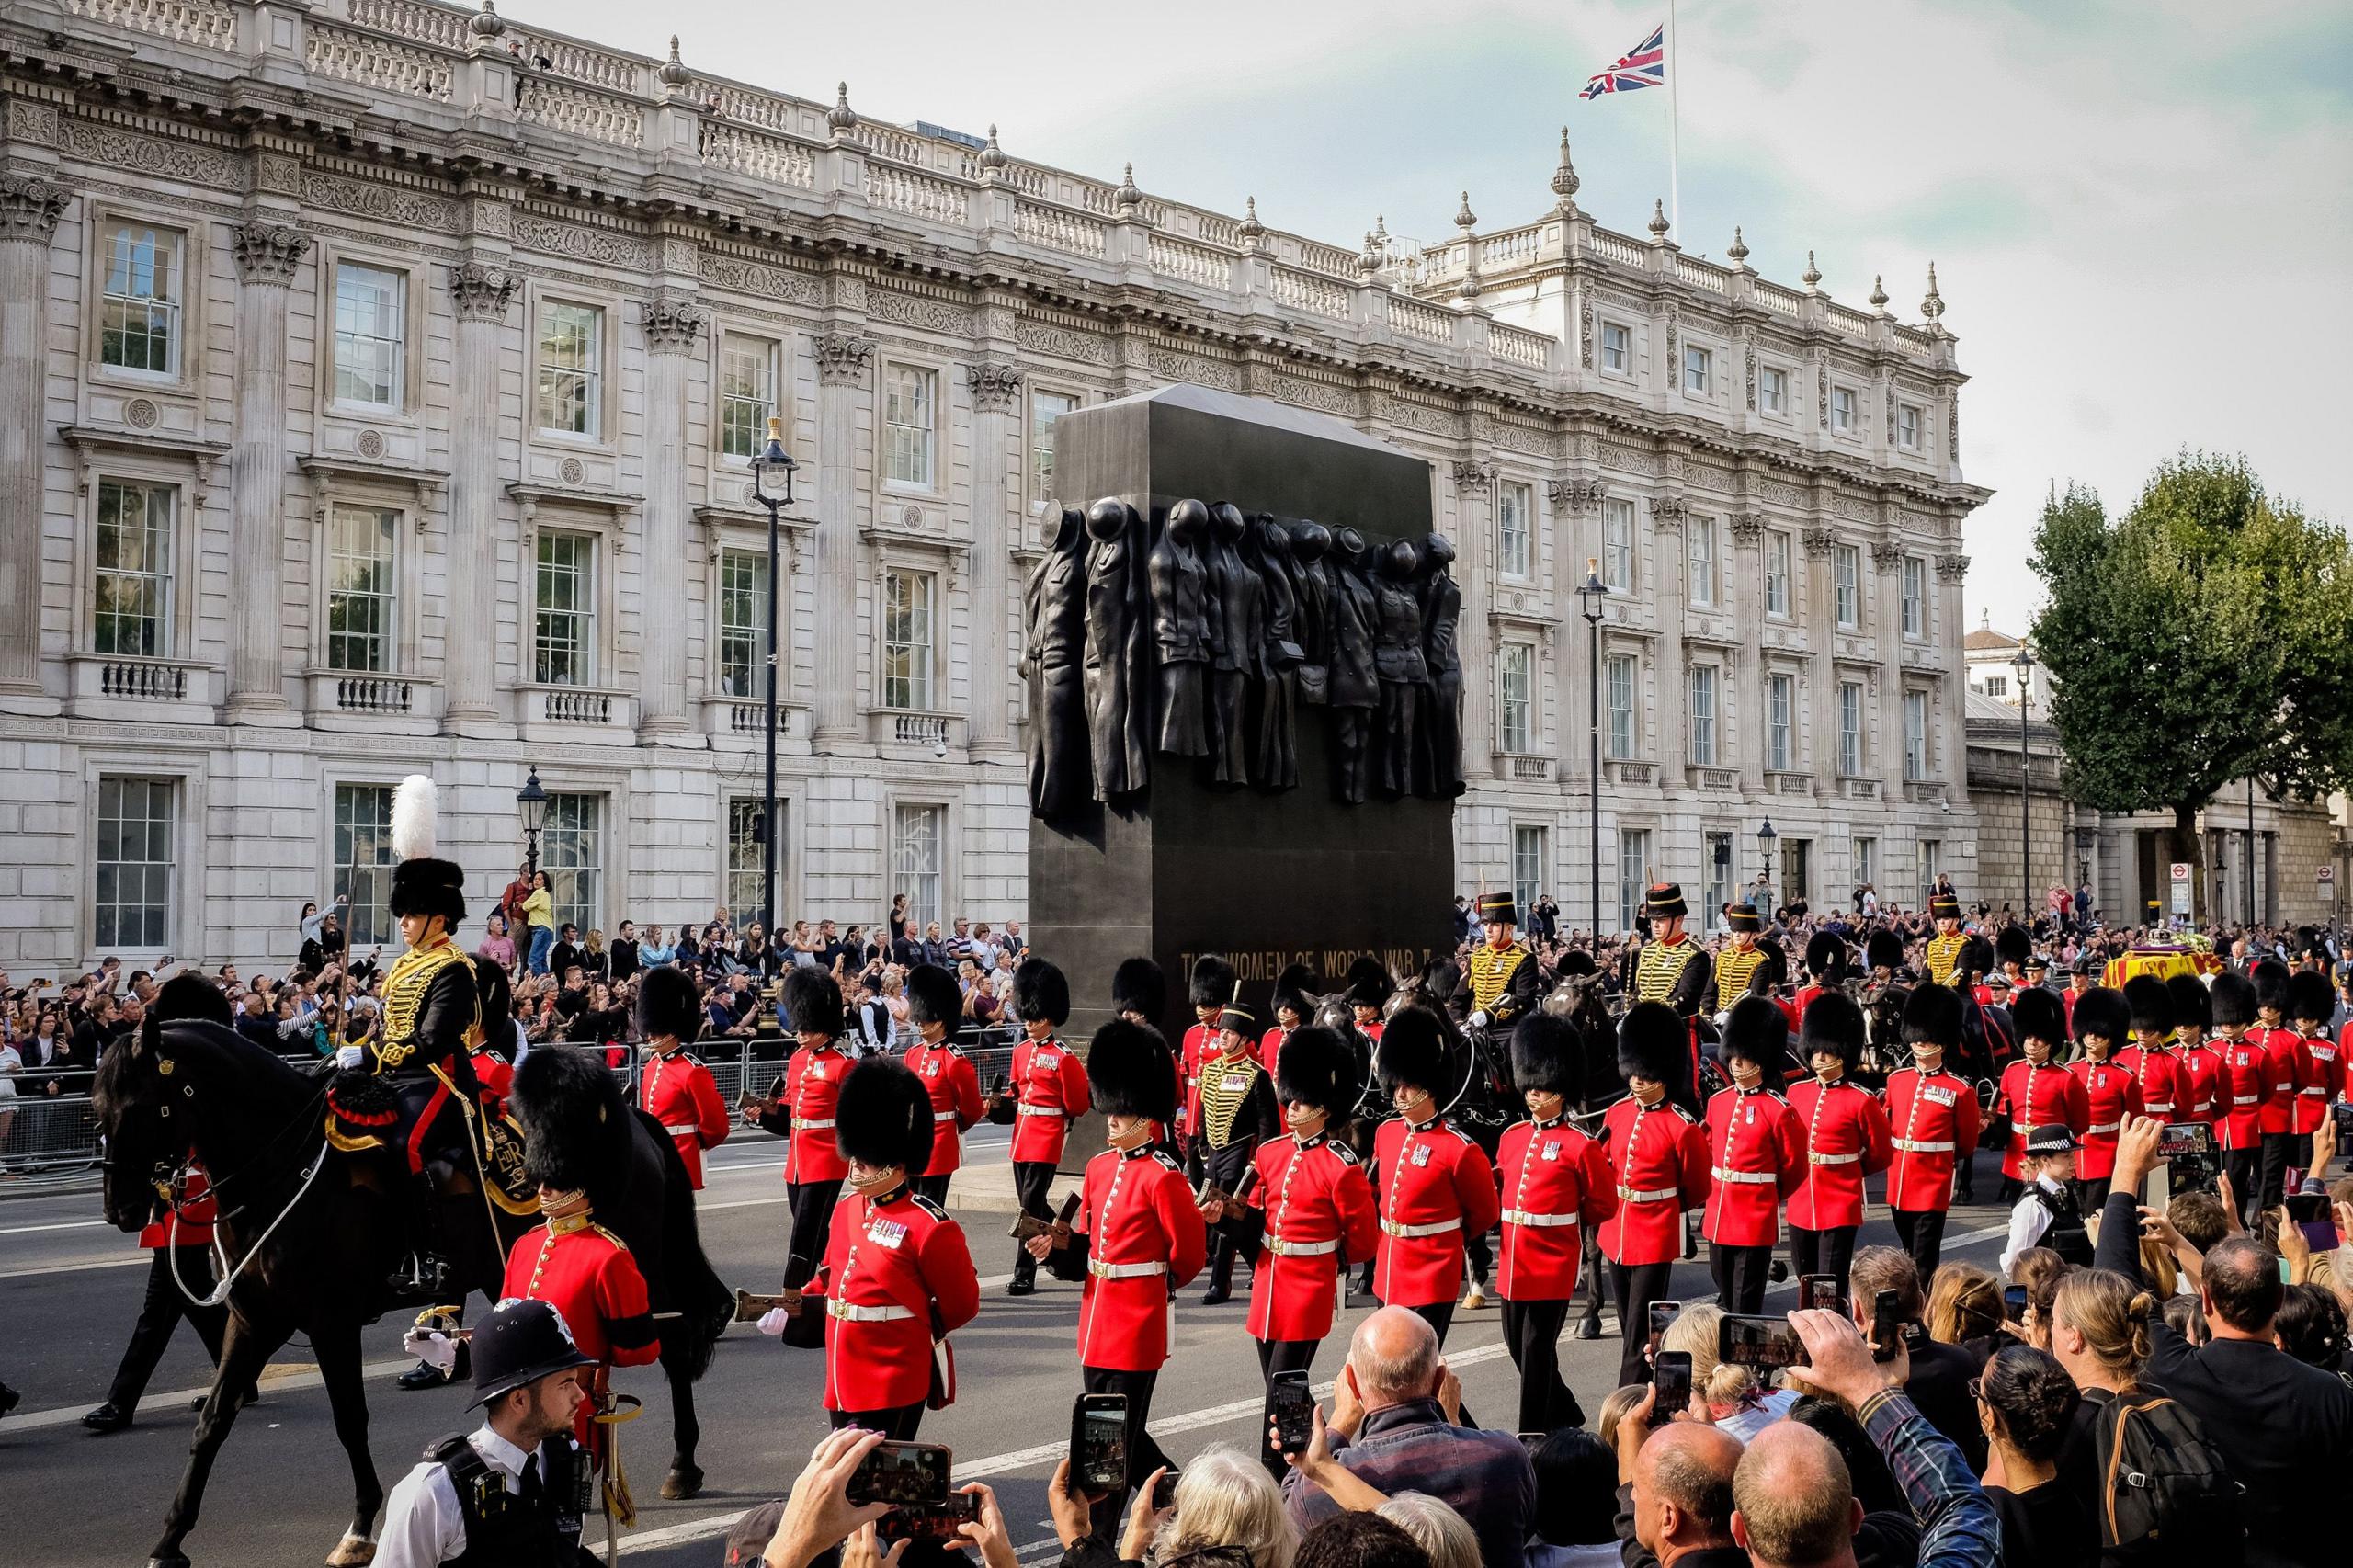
(47, 1135)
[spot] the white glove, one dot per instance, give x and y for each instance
(774, 1320)
(351, 1056)
(434, 1348)
(1479, 1020)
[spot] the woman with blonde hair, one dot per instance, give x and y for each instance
(1442, 1532)
(1727, 1395)
(2040, 1270)
(1965, 1308)
(1224, 1499)
(2098, 1330)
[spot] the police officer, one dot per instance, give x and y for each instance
(1658, 1162)
(1434, 1183)
(1236, 1113)
(1048, 1085)
(2048, 1215)
(677, 1089)
(1935, 1117)
(2035, 1090)
(1555, 1184)
(801, 1107)
(1499, 984)
(2101, 1021)
(1755, 1154)
(936, 1005)
(508, 1493)
(1847, 1141)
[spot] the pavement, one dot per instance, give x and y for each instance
(280, 1494)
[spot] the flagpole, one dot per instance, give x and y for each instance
(1674, 105)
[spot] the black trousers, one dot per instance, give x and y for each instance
(1031, 1181)
(812, 1204)
(1636, 1286)
(2279, 1153)
(1110, 1515)
(1226, 1167)
(1964, 1176)
(932, 1187)
(897, 1424)
(1740, 1273)
(1592, 1271)
(1830, 1252)
(160, 1311)
(2245, 1167)
(1280, 1355)
(1532, 1334)
(1921, 1233)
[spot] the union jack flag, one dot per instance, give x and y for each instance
(1645, 65)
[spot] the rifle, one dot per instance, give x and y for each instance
(1026, 1225)
(751, 1308)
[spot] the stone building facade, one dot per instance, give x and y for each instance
(376, 383)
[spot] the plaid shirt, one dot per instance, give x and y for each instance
(1484, 1476)
(1958, 1526)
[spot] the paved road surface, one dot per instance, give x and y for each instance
(70, 1285)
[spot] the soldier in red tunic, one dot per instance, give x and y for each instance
(1048, 1092)
(2102, 1022)
(2201, 1064)
(800, 1106)
(2036, 1091)
(1846, 1139)
(1554, 1183)
(1137, 1231)
(898, 1277)
(2290, 1072)
(1433, 1181)
(1934, 1116)
(1139, 993)
(1826, 958)
(491, 1044)
(2242, 1086)
(2160, 1074)
(2311, 1003)
(936, 1005)
(1292, 1011)
(1211, 987)
(1658, 1162)
(1755, 1154)
(676, 1089)
(1370, 989)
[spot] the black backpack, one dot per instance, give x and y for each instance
(2165, 1493)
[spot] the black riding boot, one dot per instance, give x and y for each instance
(424, 1274)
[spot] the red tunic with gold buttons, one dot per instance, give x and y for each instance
(1436, 1191)
(1049, 1089)
(2036, 1096)
(1144, 1234)
(890, 1264)
(587, 1274)
(1658, 1165)
(2202, 1064)
(1270, 1047)
(954, 1085)
(1555, 1182)
(1933, 1120)
(1319, 1223)
(2323, 1081)
(1846, 1139)
(2290, 1071)
(813, 1082)
(2241, 1092)
(1757, 1156)
(676, 1091)
(2164, 1081)
(2110, 1095)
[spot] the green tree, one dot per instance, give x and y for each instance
(2205, 635)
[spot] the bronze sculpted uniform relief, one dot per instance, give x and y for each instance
(1210, 633)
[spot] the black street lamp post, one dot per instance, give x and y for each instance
(772, 473)
(2024, 664)
(532, 802)
(1590, 593)
(1765, 836)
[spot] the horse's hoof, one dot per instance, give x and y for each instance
(684, 1481)
(352, 1551)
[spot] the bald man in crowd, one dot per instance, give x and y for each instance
(1675, 1494)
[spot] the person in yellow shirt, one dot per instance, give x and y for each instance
(540, 911)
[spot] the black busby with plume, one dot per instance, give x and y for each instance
(1654, 1042)
(575, 1122)
(2102, 1012)
(1758, 1030)
(1883, 951)
(2270, 978)
(2040, 1015)
(1412, 1052)
(1933, 1014)
(1547, 1055)
(1368, 983)
(2191, 1006)
(1138, 987)
(2149, 1001)
(1212, 982)
(2013, 946)
(422, 884)
(1295, 989)
(1041, 993)
(1825, 957)
(813, 1001)
(2308, 996)
(2233, 999)
(883, 1116)
(933, 996)
(1131, 1071)
(1833, 1025)
(668, 1003)
(1316, 1069)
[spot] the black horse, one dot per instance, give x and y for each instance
(1477, 1096)
(310, 1237)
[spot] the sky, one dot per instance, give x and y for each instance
(2140, 211)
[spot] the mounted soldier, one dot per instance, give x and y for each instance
(1499, 985)
(1674, 969)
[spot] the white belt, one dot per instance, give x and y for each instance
(1522, 1217)
(1833, 1158)
(1438, 1230)
(2320, 1089)
(1282, 1248)
(1915, 1146)
(2245, 1099)
(689, 1130)
(799, 1124)
(1757, 1178)
(2153, 1109)
(943, 1116)
(849, 1313)
(1039, 1109)
(1628, 1195)
(1125, 1270)
(2102, 1126)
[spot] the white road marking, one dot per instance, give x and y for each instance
(60, 1225)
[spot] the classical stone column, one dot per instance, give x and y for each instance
(1822, 639)
(1888, 557)
(1947, 716)
(1748, 619)
(1668, 515)
(672, 326)
(996, 492)
(1474, 487)
(844, 362)
(29, 206)
(268, 255)
(481, 294)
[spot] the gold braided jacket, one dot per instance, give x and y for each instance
(1491, 973)
(1734, 966)
(405, 989)
(1944, 957)
(1660, 969)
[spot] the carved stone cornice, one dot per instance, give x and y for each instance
(1580, 493)
(29, 206)
(1669, 511)
(995, 385)
(269, 253)
(1887, 557)
(1473, 476)
(842, 358)
(674, 325)
(1952, 568)
(1748, 527)
(483, 292)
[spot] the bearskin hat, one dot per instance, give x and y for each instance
(2149, 1001)
(1653, 1043)
(2191, 1006)
(1932, 1015)
(1315, 1069)
(1041, 993)
(2233, 999)
(668, 1003)
(190, 998)
(421, 884)
(576, 1124)
(2040, 1015)
(813, 1001)
(497, 996)
(2014, 946)
(1773, 969)
(883, 1116)
(1294, 988)
(1547, 1054)
(2103, 1012)
(1833, 1024)
(1212, 982)
(1368, 983)
(2310, 944)
(2270, 978)
(1575, 961)
(1826, 956)
(2308, 996)
(1758, 1031)
(1138, 987)
(933, 996)
(1413, 1050)
(1977, 956)
(1883, 951)
(1131, 1071)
